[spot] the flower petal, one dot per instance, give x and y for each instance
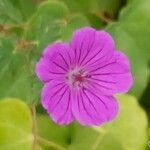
(112, 76)
(42, 70)
(54, 63)
(90, 109)
(56, 99)
(90, 45)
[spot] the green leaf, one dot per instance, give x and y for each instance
(15, 125)
(15, 11)
(98, 12)
(129, 1)
(13, 16)
(10, 63)
(94, 6)
(8, 13)
(108, 8)
(57, 136)
(26, 7)
(44, 26)
(95, 21)
(148, 145)
(52, 22)
(72, 24)
(132, 37)
(124, 128)
(127, 131)
(16, 130)
(17, 62)
(15, 76)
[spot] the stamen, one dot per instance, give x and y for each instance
(77, 77)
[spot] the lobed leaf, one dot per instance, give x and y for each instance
(127, 131)
(15, 11)
(132, 37)
(15, 125)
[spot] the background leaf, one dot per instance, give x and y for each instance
(15, 11)
(52, 22)
(58, 135)
(46, 23)
(73, 23)
(132, 37)
(98, 12)
(97, 7)
(15, 125)
(119, 134)
(15, 76)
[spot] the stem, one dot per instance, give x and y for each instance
(38, 138)
(98, 140)
(49, 143)
(33, 110)
(104, 17)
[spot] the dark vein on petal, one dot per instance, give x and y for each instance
(47, 81)
(78, 104)
(91, 64)
(88, 51)
(59, 73)
(85, 107)
(75, 53)
(100, 85)
(113, 73)
(102, 66)
(80, 50)
(57, 85)
(54, 107)
(95, 55)
(69, 56)
(64, 60)
(68, 104)
(92, 57)
(59, 66)
(90, 101)
(103, 80)
(98, 98)
(56, 92)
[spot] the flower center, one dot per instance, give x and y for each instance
(76, 77)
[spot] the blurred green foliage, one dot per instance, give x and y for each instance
(16, 129)
(26, 27)
(132, 37)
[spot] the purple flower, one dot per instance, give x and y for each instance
(80, 78)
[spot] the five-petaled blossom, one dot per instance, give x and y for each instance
(81, 77)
